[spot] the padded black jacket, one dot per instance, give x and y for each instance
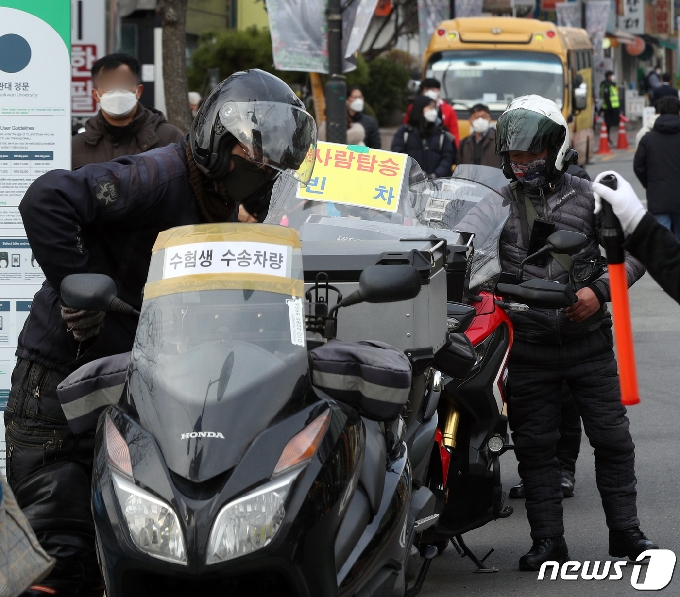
(100, 218)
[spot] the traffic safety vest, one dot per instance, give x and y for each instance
(613, 94)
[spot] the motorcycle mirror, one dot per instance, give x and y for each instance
(389, 283)
(567, 242)
(92, 292)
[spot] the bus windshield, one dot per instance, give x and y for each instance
(495, 77)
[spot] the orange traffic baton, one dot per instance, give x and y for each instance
(612, 239)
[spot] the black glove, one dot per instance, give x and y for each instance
(83, 324)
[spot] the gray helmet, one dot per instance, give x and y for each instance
(261, 113)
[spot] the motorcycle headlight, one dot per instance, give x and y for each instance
(153, 524)
(250, 522)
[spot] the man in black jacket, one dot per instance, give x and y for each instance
(656, 164)
(104, 218)
(649, 241)
(665, 89)
(551, 346)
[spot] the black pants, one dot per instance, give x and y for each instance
(49, 469)
(588, 367)
(569, 444)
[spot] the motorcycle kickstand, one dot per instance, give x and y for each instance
(462, 548)
(430, 553)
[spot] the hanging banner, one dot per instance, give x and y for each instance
(568, 14)
(300, 33)
(35, 137)
(633, 19)
(430, 14)
(597, 15)
(663, 17)
(88, 44)
(469, 8)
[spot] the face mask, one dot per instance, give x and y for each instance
(432, 94)
(118, 102)
(244, 179)
(430, 115)
(530, 175)
(480, 125)
(357, 105)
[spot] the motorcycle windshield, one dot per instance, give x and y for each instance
(465, 203)
(468, 202)
(372, 193)
(220, 346)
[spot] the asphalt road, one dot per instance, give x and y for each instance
(654, 426)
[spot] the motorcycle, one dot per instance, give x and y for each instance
(464, 471)
(239, 458)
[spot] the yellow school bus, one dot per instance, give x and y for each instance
(492, 60)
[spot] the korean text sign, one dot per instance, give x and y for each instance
(357, 176)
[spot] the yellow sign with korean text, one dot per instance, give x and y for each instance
(356, 175)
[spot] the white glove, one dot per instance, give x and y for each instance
(624, 201)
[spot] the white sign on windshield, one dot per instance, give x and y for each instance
(227, 258)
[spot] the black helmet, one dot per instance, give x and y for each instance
(533, 123)
(259, 111)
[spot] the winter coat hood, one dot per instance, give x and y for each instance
(668, 124)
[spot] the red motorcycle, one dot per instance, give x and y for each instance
(464, 472)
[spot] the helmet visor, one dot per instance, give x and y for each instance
(525, 130)
(273, 134)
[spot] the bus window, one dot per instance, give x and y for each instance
(496, 77)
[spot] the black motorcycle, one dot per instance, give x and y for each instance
(228, 467)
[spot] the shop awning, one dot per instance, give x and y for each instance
(622, 36)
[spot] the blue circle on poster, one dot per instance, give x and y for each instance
(15, 53)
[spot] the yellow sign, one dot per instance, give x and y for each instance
(356, 175)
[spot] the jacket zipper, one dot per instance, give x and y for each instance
(46, 445)
(550, 270)
(9, 464)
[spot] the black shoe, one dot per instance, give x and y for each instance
(548, 549)
(517, 492)
(629, 543)
(567, 484)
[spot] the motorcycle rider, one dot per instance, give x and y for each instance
(105, 218)
(652, 243)
(555, 346)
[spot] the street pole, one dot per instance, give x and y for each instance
(335, 89)
(452, 8)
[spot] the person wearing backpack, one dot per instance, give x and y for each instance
(425, 141)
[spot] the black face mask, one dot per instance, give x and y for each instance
(244, 179)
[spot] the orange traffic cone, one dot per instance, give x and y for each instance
(604, 139)
(622, 142)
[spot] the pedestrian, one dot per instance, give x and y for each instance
(123, 126)
(425, 141)
(480, 147)
(647, 239)
(652, 81)
(105, 218)
(657, 161)
(195, 100)
(611, 105)
(355, 109)
(447, 114)
(356, 133)
(552, 346)
(665, 89)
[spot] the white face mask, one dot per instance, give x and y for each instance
(480, 125)
(357, 105)
(118, 102)
(430, 115)
(432, 94)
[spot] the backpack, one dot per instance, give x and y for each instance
(442, 135)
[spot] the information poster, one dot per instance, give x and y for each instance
(35, 137)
